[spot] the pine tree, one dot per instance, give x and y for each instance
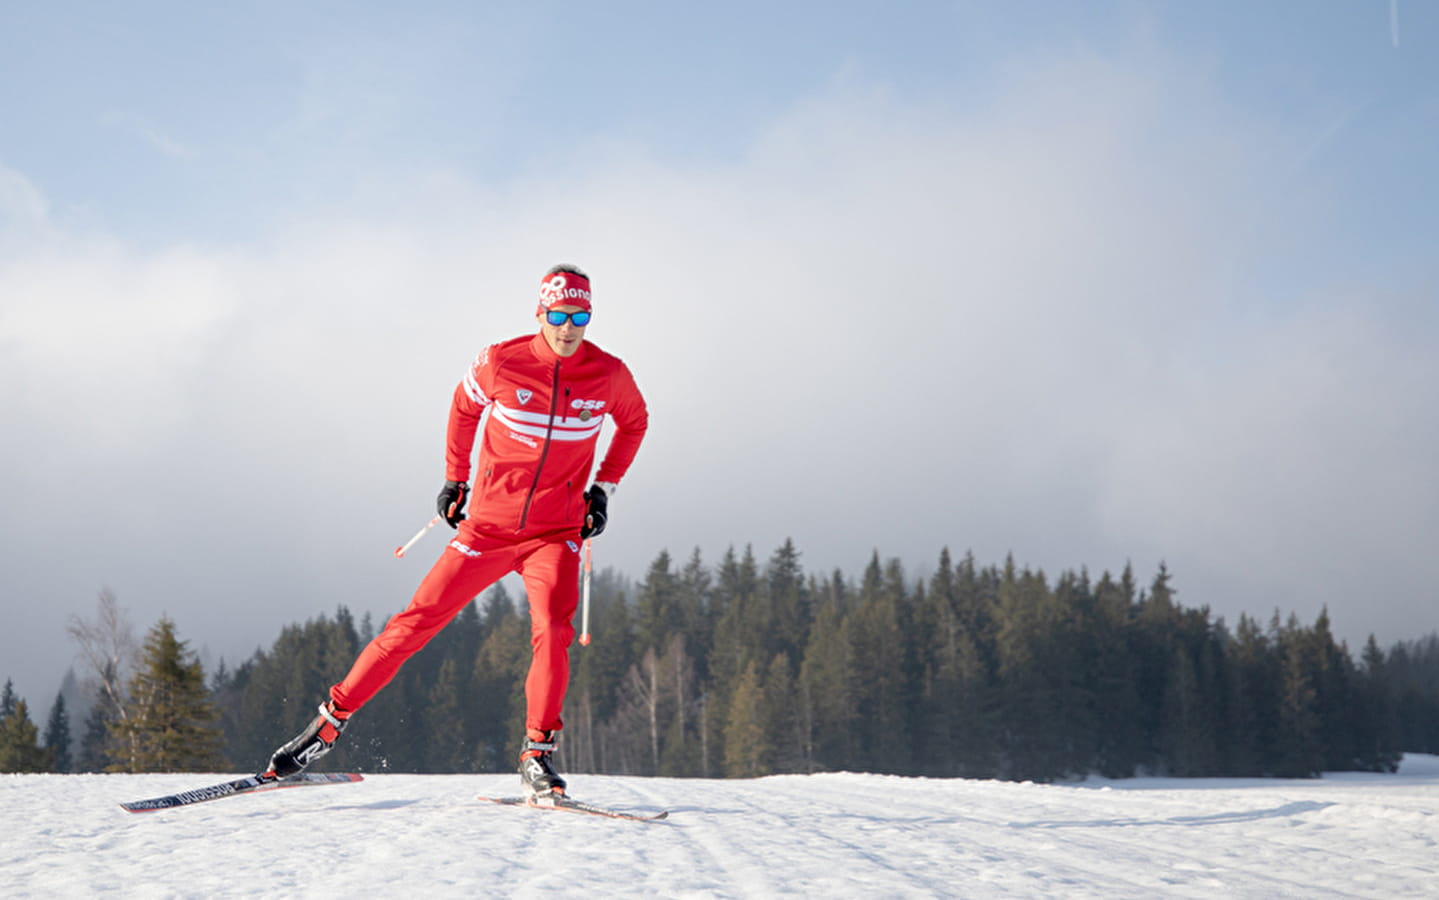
(1156, 629)
(971, 669)
(882, 690)
(680, 750)
(7, 699)
(497, 684)
(778, 717)
(963, 681)
(1070, 606)
(415, 724)
(20, 750)
(936, 640)
(657, 611)
(599, 671)
(96, 741)
(274, 693)
(1113, 672)
(1334, 686)
(1378, 725)
(1298, 753)
(788, 604)
(1253, 701)
(739, 626)
(827, 689)
(1414, 684)
(1026, 647)
(447, 750)
(696, 622)
(1182, 725)
(57, 734)
(747, 744)
(172, 723)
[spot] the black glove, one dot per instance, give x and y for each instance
(596, 506)
(451, 502)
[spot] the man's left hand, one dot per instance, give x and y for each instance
(596, 512)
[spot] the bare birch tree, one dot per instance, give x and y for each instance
(107, 645)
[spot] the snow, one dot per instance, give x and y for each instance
(831, 835)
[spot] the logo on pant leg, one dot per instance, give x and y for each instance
(465, 549)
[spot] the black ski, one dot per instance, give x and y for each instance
(249, 785)
(565, 804)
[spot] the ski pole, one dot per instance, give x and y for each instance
(400, 551)
(585, 600)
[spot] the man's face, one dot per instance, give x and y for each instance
(563, 339)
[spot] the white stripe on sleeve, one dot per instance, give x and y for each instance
(472, 388)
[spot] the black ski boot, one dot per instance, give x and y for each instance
(312, 743)
(539, 778)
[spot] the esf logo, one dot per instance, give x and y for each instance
(587, 409)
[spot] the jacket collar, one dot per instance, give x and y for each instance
(541, 348)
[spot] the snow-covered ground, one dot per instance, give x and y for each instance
(838, 835)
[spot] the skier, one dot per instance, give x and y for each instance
(547, 395)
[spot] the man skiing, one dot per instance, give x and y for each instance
(547, 395)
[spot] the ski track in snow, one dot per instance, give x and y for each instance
(833, 835)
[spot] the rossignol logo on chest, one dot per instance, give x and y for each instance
(524, 395)
(554, 292)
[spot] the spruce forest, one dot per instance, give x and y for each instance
(747, 669)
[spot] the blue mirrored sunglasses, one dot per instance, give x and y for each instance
(557, 318)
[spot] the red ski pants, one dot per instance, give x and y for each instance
(470, 564)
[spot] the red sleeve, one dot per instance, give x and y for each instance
(468, 405)
(632, 419)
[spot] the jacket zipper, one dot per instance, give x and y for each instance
(545, 450)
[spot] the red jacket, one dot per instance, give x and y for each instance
(539, 441)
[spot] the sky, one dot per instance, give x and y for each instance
(846, 834)
(1136, 283)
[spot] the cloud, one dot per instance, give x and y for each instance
(138, 126)
(24, 210)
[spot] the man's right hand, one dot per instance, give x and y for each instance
(451, 502)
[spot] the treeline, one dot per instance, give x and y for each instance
(746, 669)
(160, 719)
